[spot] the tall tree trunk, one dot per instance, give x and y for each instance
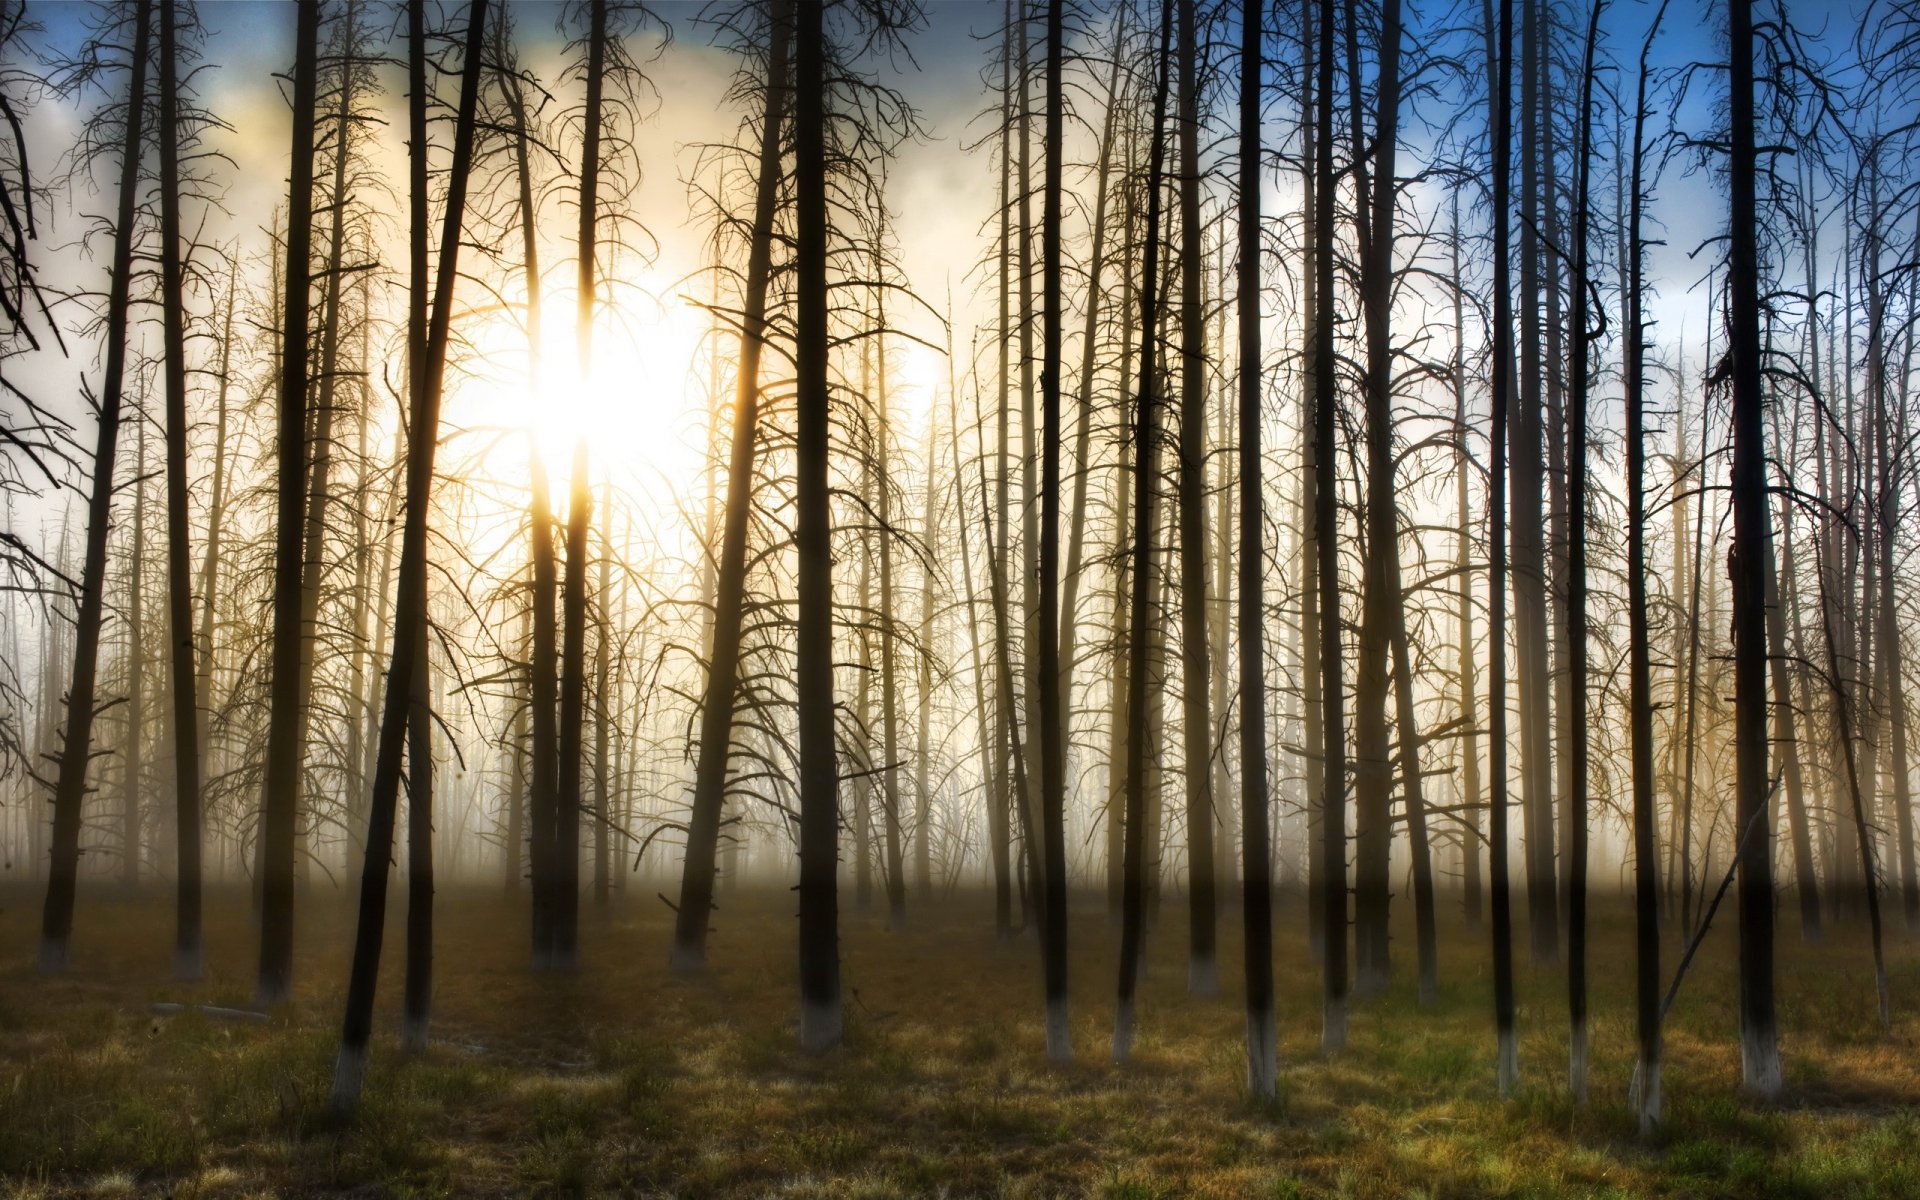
(279, 805)
(520, 779)
(416, 1015)
(1313, 722)
(1575, 751)
(320, 450)
(1084, 405)
(1146, 445)
(1029, 500)
(571, 795)
(1256, 895)
(820, 1019)
(1468, 790)
(1529, 550)
(573, 690)
(405, 687)
(187, 953)
(983, 704)
(1053, 750)
(1333, 749)
(602, 701)
(1646, 925)
(1507, 1060)
(1780, 670)
(1007, 728)
(1759, 1048)
(723, 660)
(1383, 644)
(216, 514)
(1203, 970)
(134, 773)
(1691, 744)
(923, 692)
(361, 718)
(889, 683)
(543, 801)
(861, 785)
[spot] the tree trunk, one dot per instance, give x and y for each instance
(820, 1019)
(602, 699)
(1006, 733)
(571, 795)
(134, 757)
(1313, 721)
(1257, 889)
(1084, 406)
(416, 1015)
(1468, 789)
(320, 450)
(405, 687)
(1529, 549)
(1576, 750)
(565, 895)
(1646, 925)
(216, 514)
(1053, 757)
(1759, 1048)
(723, 660)
(1146, 443)
(1333, 749)
(923, 692)
(187, 953)
(1507, 1061)
(1203, 970)
(279, 805)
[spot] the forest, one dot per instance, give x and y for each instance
(860, 598)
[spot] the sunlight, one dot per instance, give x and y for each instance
(632, 402)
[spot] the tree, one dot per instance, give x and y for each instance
(1333, 748)
(56, 922)
(1507, 1068)
(1256, 851)
(1146, 444)
(187, 953)
(1203, 971)
(279, 806)
(1053, 764)
(1577, 750)
(820, 1020)
(1646, 904)
(723, 656)
(406, 675)
(1759, 1046)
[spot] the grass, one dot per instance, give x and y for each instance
(625, 1079)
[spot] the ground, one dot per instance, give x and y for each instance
(625, 1079)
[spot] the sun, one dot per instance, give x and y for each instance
(636, 401)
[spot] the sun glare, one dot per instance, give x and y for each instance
(633, 401)
(638, 402)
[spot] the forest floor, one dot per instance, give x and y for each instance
(625, 1079)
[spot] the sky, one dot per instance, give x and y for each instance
(942, 190)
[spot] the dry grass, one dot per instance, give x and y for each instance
(625, 1079)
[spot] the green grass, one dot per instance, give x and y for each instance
(626, 1079)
